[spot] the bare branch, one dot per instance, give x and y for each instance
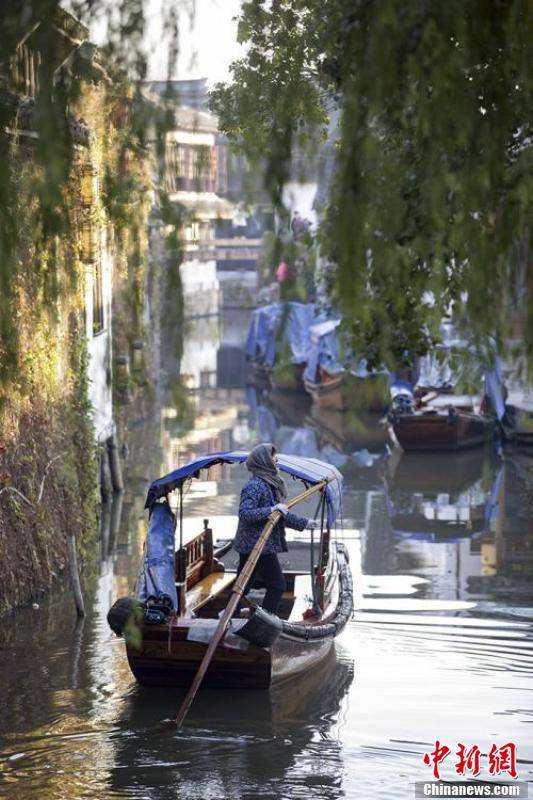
(13, 489)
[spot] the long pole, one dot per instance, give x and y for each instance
(236, 594)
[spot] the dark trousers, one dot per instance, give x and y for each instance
(267, 574)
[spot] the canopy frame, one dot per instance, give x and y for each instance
(309, 470)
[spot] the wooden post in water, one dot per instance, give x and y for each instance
(106, 482)
(114, 465)
(236, 594)
(74, 574)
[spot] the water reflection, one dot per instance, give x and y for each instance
(440, 647)
(451, 500)
(229, 750)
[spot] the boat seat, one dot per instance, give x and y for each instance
(303, 597)
(206, 589)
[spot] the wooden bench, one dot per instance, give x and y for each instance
(207, 589)
(196, 566)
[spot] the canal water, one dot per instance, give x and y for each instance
(440, 646)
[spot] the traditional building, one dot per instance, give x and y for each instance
(189, 180)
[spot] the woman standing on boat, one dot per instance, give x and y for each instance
(265, 492)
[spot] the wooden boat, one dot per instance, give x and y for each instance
(168, 626)
(450, 429)
(276, 344)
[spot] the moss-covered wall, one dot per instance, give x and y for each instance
(48, 465)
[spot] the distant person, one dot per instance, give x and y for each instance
(282, 272)
(265, 492)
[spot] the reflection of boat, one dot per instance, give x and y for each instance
(225, 743)
(444, 500)
(178, 605)
(452, 473)
(312, 694)
(451, 429)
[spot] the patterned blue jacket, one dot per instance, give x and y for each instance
(257, 499)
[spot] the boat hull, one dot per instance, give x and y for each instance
(168, 659)
(169, 654)
(422, 431)
(346, 391)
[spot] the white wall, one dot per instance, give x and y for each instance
(201, 287)
(200, 347)
(100, 350)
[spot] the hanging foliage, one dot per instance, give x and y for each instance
(424, 109)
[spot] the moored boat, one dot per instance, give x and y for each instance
(276, 345)
(432, 429)
(335, 386)
(170, 623)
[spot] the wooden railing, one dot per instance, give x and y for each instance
(194, 561)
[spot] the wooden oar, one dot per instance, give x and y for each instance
(237, 591)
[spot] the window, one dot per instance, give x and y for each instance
(191, 168)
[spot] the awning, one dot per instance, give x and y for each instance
(310, 470)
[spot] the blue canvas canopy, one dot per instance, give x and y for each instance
(157, 575)
(310, 470)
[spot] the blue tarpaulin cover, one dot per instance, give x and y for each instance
(291, 321)
(296, 319)
(310, 470)
(157, 569)
(323, 349)
(261, 339)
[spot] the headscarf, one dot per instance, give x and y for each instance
(260, 462)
